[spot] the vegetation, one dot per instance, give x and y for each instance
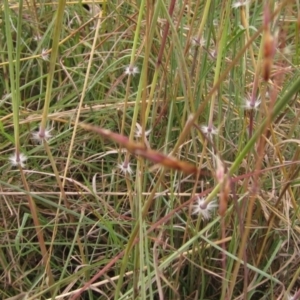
(149, 149)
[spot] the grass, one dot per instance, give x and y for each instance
(149, 150)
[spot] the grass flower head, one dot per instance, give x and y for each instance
(204, 209)
(131, 70)
(18, 160)
(209, 131)
(45, 54)
(239, 3)
(40, 135)
(251, 104)
(125, 168)
(37, 38)
(139, 131)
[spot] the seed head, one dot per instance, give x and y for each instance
(41, 136)
(204, 209)
(45, 54)
(251, 103)
(18, 160)
(131, 70)
(125, 168)
(209, 131)
(139, 131)
(239, 3)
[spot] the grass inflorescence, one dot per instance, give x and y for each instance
(149, 149)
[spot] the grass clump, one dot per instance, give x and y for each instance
(149, 150)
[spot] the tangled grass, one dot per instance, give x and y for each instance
(149, 150)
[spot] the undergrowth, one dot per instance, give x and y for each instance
(149, 149)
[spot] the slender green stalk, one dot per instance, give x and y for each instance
(221, 46)
(204, 19)
(39, 232)
(13, 75)
(143, 73)
(52, 64)
(156, 73)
